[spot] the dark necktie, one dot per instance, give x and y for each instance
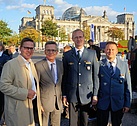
(111, 69)
(52, 71)
(78, 54)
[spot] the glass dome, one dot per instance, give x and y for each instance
(72, 13)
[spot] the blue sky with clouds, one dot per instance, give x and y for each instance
(12, 11)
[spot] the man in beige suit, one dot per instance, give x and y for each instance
(50, 72)
(19, 82)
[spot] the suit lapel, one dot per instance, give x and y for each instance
(47, 69)
(58, 70)
(84, 54)
(119, 65)
(104, 66)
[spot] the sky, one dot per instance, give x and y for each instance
(12, 11)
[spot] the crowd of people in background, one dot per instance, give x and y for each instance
(36, 94)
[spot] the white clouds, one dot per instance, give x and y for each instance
(61, 6)
(98, 11)
(10, 2)
(22, 6)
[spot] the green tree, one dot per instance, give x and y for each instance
(87, 33)
(31, 33)
(49, 29)
(62, 35)
(12, 40)
(115, 32)
(4, 30)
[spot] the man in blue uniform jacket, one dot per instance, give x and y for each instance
(79, 88)
(115, 87)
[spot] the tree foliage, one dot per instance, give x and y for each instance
(115, 32)
(31, 33)
(4, 30)
(49, 29)
(12, 40)
(87, 33)
(62, 34)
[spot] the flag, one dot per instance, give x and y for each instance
(92, 32)
(124, 9)
(29, 12)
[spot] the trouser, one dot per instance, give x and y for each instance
(1, 104)
(103, 116)
(78, 114)
(35, 111)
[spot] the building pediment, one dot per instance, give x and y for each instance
(99, 20)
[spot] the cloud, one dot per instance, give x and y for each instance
(10, 2)
(21, 7)
(98, 11)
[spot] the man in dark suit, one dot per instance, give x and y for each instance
(94, 47)
(115, 87)
(13, 51)
(50, 71)
(79, 89)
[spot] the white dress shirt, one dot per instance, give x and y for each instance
(114, 63)
(27, 63)
(80, 51)
(55, 69)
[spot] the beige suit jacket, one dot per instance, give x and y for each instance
(15, 82)
(48, 88)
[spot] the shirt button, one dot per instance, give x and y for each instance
(79, 74)
(79, 85)
(79, 63)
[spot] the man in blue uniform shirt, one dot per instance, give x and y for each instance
(115, 87)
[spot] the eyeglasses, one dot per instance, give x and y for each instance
(50, 50)
(28, 48)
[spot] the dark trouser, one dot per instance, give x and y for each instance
(78, 114)
(35, 111)
(103, 116)
(1, 104)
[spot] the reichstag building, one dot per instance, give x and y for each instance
(75, 17)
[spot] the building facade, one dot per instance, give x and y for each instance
(75, 17)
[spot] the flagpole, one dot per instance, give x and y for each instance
(44, 2)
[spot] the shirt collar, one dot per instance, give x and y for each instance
(81, 50)
(51, 62)
(26, 62)
(114, 62)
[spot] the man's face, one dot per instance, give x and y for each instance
(90, 43)
(0, 48)
(12, 49)
(51, 52)
(27, 50)
(78, 39)
(111, 51)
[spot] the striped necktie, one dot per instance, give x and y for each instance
(111, 69)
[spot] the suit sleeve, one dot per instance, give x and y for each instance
(64, 78)
(7, 87)
(128, 92)
(95, 75)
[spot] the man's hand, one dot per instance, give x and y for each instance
(31, 94)
(94, 100)
(65, 101)
(125, 109)
(42, 109)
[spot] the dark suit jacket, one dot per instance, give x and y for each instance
(114, 90)
(77, 78)
(15, 54)
(97, 49)
(48, 88)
